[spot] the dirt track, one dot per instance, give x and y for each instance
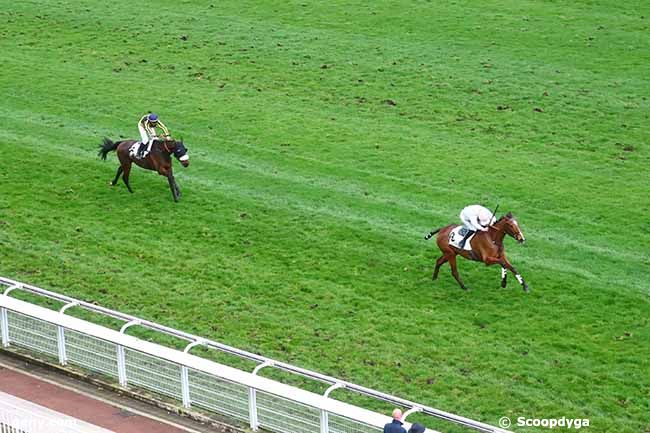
(90, 403)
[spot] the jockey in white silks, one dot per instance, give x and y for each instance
(147, 127)
(475, 218)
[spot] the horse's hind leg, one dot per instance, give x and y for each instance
(117, 176)
(125, 177)
(454, 272)
(441, 261)
(504, 277)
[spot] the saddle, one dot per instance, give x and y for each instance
(457, 235)
(138, 150)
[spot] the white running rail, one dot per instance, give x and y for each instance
(191, 380)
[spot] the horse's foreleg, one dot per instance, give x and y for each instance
(441, 261)
(125, 176)
(172, 186)
(489, 261)
(117, 175)
(178, 190)
(454, 272)
(504, 277)
(506, 264)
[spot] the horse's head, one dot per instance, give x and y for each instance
(179, 150)
(511, 227)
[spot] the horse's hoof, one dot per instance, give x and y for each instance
(526, 289)
(503, 284)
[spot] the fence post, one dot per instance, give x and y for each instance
(4, 317)
(252, 398)
(4, 321)
(252, 409)
(63, 356)
(185, 387)
(60, 340)
(324, 422)
(121, 358)
(185, 374)
(414, 409)
(324, 416)
(121, 366)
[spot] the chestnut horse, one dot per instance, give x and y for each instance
(159, 159)
(487, 247)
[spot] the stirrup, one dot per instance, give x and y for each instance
(463, 241)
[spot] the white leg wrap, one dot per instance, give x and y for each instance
(504, 272)
(518, 277)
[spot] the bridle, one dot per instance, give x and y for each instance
(514, 233)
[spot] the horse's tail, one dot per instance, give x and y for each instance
(431, 233)
(107, 146)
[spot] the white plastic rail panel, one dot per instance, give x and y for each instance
(21, 416)
(171, 356)
(197, 394)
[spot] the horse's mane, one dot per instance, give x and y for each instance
(506, 216)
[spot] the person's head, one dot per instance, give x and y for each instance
(416, 428)
(397, 414)
(152, 118)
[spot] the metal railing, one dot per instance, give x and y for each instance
(192, 380)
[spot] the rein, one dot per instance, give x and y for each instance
(498, 230)
(494, 226)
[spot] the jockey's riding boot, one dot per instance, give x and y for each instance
(462, 241)
(141, 150)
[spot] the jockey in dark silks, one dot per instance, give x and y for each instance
(147, 127)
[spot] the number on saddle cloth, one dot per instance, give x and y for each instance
(456, 236)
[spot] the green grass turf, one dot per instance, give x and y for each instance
(326, 139)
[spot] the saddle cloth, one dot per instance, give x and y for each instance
(457, 235)
(133, 151)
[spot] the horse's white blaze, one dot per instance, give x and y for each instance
(504, 272)
(519, 278)
(520, 233)
(184, 157)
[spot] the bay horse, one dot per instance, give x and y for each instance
(158, 159)
(487, 247)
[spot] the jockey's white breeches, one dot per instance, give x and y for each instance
(145, 137)
(469, 221)
(143, 134)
